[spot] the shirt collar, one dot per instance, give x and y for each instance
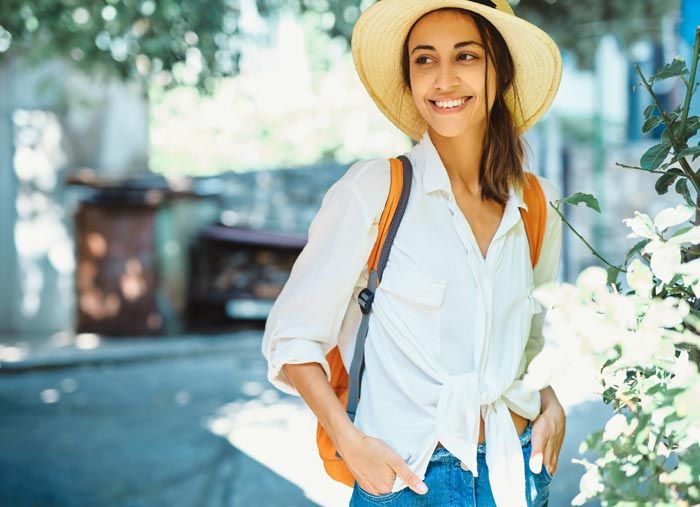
(434, 175)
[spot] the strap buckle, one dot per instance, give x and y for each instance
(365, 298)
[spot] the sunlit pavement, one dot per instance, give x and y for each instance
(187, 422)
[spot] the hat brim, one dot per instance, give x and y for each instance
(377, 45)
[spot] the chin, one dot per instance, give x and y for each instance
(448, 130)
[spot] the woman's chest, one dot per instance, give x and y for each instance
(438, 296)
(438, 244)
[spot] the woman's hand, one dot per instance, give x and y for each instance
(375, 465)
(548, 432)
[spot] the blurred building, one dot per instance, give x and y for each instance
(79, 122)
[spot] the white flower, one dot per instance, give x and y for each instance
(589, 486)
(665, 259)
(664, 313)
(672, 216)
(639, 278)
(541, 368)
(592, 278)
(689, 236)
(614, 427)
(641, 226)
(641, 347)
(691, 275)
(683, 371)
(552, 296)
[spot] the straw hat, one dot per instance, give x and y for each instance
(377, 43)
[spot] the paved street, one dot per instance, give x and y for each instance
(189, 429)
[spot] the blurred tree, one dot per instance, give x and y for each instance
(576, 25)
(168, 41)
(193, 42)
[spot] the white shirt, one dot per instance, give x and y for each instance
(450, 332)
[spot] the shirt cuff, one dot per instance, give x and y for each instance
(294, 351)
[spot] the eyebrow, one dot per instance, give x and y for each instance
(458, 45)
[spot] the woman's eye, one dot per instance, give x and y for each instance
(468, 56)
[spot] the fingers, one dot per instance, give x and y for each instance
(408, 476)
(550, 459)
(537, 451)
(536, 459)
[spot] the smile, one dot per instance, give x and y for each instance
(452, 106)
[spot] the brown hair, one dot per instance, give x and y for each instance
(503, 153)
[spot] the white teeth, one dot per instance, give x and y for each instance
(451, 103)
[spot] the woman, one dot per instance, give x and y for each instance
(452, 328)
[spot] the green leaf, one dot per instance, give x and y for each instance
(682, 189)
(655, 156)
(666, 179)
(675, 68)
(687, 152)
(656, 388)
(692, 125)
(636, 249)
(651, 123)
(581, 197)
(682, 230)
(648, 110)
(612, 275)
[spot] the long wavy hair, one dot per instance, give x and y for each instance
(503, 154)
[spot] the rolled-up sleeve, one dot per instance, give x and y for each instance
(305, 319)
(547, 267)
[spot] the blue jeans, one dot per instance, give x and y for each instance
(450, 486)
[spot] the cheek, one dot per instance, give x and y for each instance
(417, 90)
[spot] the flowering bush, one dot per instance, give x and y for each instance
(643, 340)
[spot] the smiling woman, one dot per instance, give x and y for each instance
(452, 329)
(464, 64)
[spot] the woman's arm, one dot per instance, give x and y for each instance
(309, 380)
(305, 319)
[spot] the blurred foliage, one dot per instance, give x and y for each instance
(168, 41)
(576, 25)
(193, 42)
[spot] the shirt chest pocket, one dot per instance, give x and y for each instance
(410, 303)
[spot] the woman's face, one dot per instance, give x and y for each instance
(447, 65)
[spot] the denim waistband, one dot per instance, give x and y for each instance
(442, 452)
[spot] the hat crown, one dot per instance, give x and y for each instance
(501, 5)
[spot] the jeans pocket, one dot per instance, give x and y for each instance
(385, 497)
(545, 473)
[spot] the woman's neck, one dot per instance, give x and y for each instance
(461, 156)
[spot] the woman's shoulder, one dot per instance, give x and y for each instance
(550, 189)
(370, 180)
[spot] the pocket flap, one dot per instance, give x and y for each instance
(413, 286)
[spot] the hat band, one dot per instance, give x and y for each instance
(487, 3)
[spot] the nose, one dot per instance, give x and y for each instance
(446, 77)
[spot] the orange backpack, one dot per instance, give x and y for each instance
(347, 384)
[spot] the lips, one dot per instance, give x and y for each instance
(450, 99)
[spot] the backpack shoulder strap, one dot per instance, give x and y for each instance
(399, 191)
(395, 202)
(535, 217)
